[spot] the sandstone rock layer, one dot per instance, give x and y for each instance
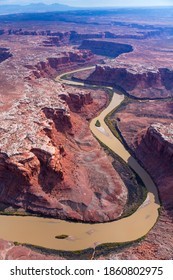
(143, 83)
(56, 168)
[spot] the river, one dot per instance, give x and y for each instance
(42, 231)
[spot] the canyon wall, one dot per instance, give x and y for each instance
(154, 148)
(146, 127)
(62, 62)
(74, 36)
(144, 83)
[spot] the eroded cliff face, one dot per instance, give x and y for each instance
(146, 127)
(154, 148)
(64, 61)
(50, 163)
(137, 81)
(59, 38)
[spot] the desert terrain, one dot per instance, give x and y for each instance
(51, 164)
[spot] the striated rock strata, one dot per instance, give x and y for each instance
(65, 60)
(137, 80)
(154, 148)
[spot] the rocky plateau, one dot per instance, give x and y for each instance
(50, 163)
(44, 167)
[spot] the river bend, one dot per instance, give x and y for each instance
(42, 231)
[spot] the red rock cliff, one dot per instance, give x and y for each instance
(154, 148)
(49, 161)
(51, 65)
(139, 82)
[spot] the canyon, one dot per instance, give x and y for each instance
(50, 163)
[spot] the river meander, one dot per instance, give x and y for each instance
(42, 231)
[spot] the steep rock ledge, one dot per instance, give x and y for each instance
(161, 137)
(137, 80)
(154, 148)
(64, 61)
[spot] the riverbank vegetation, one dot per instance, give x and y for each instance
(86, 254)
(137, 191)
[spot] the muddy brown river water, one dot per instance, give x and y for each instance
(42, 231)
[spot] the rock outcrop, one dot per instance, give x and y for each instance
(137, 81)
(154, 148)
(64, 61)
(161, 138)
(106, 48)
(76, 101)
